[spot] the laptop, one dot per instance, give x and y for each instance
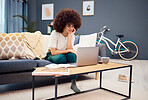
(87, 56)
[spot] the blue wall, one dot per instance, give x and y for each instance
(128, 17)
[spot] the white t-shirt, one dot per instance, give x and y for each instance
(58, 41)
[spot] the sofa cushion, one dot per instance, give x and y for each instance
(42, 63)
(11, 46)
(18, 65)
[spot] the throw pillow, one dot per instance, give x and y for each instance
(29, 53)
(34, 41)
(87, 41)
(11, 46)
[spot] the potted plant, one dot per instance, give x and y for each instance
(30, 26)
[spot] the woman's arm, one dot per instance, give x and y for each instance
(54, 51)
(69, 42)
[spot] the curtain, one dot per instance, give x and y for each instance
(14, 24)
(2, 16)
(25, 11)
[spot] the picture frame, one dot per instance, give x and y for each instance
(47, 11)
(88, 8)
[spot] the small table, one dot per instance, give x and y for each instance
(91, 69)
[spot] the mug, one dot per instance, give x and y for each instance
(105, 60)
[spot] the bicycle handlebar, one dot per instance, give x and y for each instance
(104, 29)
(108, 29)
(104, 26)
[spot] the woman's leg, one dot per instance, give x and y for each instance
(62, 59)
(71, 58)
(58, 59)
(73, 83)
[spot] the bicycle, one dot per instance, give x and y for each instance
(127, 49)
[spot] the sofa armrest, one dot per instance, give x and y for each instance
(102, 50)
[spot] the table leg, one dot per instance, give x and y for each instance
(97, 75)
(56, 86)
(130, 81)
(32, 87)
(100, 79)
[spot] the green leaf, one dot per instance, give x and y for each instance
(30, 27)
(23, 17)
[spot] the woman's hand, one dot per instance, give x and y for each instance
(74, 30)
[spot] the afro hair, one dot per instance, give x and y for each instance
(64, 17)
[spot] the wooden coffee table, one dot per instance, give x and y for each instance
(90, 69)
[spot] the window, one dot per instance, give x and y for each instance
(2, 16)
(15, 7)
(14, 24)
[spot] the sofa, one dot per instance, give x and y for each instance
(20, 70)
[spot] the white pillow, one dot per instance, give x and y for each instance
(46, 44)
(29, 53)
(87, 41)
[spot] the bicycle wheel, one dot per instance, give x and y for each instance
(132, 50)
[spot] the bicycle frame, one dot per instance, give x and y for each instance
(102, 38)
(126, 49)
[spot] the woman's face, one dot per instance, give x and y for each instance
(69, 28)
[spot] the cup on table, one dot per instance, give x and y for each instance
(105, 60)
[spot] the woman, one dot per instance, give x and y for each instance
(65, 24)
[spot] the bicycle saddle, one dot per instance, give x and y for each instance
(120, 36)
